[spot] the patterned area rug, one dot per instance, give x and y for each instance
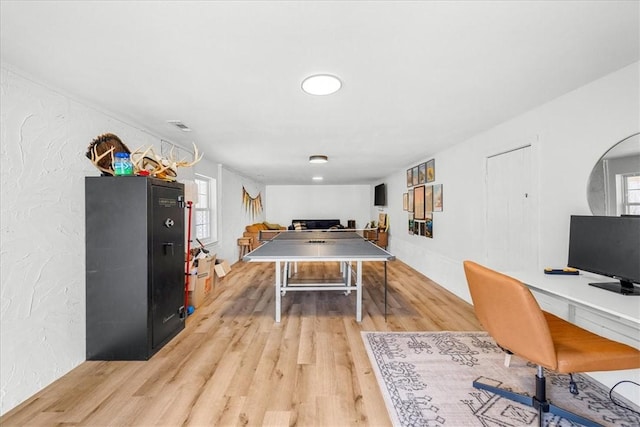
(426, 380)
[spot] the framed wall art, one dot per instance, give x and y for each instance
(405, 202)
(409, 177)
(414, 175)
(418, 202)
(431, 170)
(437, 198)
(428, 198)
(428, 226)
(410, 224)
(422, 173)
(410, 197)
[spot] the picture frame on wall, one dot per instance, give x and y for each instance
(405, 202)
(422, 173)
(418, 202)
(414, 175)
(428, 226)
(410, 224)
(431, 170)
(410, 197)
(428, 198)
(437, 198)
(409, 177)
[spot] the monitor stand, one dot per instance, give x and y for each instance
(622, 287)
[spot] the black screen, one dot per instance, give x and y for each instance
(609, 246)
(380, 198)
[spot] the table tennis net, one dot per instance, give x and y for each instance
(330, 234)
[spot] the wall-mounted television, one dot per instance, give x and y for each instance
(609, 246)
(380, 195)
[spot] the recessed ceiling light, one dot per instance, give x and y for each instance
(318, 158)
(317, 178)
(321, 84)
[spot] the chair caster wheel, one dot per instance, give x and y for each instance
(573, 387)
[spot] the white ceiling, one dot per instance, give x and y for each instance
(417, 76)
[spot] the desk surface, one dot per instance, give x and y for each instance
(313, 245)
(577, 290)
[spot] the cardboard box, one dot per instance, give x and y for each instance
(222, 268)
(211, 263)
(201, 284)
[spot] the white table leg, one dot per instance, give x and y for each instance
(359, 291)
(278, 295)
(286, 275)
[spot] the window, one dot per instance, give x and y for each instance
(631, 192)
(204, 213)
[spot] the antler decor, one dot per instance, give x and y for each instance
(101, 152)
(159, 167)
(251, 204)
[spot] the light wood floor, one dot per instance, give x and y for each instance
(233, 365)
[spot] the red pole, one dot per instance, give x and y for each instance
(188, 270)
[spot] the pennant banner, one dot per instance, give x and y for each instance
(251, 204)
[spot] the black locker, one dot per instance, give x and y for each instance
(135, 258)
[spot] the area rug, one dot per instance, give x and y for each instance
(426, 380)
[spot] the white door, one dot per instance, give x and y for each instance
(510, 241)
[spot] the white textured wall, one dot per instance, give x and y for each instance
(44, 136)
(343, 202)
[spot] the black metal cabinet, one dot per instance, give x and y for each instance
(135, 259)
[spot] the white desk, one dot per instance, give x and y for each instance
(606, 313)
(575, 290)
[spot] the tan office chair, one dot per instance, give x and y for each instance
(507, 309)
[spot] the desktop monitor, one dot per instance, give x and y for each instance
(609, 246)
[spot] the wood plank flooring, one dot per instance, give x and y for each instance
(234, 366)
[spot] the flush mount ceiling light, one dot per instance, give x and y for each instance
(321, 84)
(317, 178)
(318, 158)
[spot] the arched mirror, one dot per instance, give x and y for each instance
(614, 183)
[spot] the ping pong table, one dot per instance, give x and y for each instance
(345, 246)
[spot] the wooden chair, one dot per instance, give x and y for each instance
(507, 309)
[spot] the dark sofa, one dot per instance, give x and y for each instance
(315, 224)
